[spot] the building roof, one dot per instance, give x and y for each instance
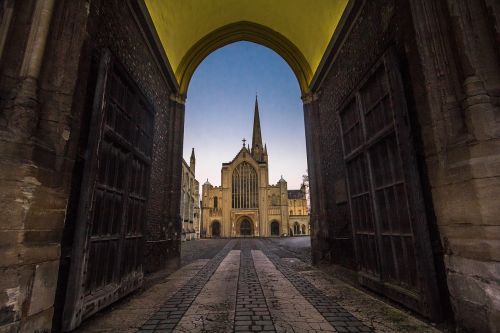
(296, 194)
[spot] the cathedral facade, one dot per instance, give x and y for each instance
(190, 201)
(246, 205)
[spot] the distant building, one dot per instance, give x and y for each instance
(190, 201)
(245, 204)
(298, 211)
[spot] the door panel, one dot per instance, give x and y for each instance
(108, 252)
(385, 200)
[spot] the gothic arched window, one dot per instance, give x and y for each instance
(245, 187)
(216, 203)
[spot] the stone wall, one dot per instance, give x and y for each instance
(43, 133)
(112, 25)
(450, 61)
(36, 145)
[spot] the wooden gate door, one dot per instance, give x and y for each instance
(108, 248)
(389, 223)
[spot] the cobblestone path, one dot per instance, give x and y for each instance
(252, 312)
(253, 285)
(337, 316)
(171, 313)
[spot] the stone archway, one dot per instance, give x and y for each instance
(296, 228)
(275, 228)
(215, 229)
(245, 227)
(248, 31)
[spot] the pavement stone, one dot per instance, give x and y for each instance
(290, 311)
(251, 302)
(252, 285)
(177, 305)
(323, 304)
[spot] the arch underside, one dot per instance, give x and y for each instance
(244, 31)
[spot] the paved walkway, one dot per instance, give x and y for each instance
(252, 285)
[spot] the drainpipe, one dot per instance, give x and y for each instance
(24, 117)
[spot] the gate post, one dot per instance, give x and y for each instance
(319, 231)
(174, 175)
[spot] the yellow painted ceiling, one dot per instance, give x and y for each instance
(308, 24)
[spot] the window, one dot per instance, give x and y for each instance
(216, 202)
(244, 187)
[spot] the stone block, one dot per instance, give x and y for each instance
(48, 198)
(474, 248)
(13, 170)
(45, 219)
(40, 253)
(10, 328)
(482, 118)
(467, 289)
(452, 168)
(488, 192)
(10, 238)
(456, 204)
(12, 205)
(44, 287)
(42, 236)
(470, 316)
(485, 159)
(10, 296)
(9, 247)
(39, 323)
(9, 258)
(474, 288)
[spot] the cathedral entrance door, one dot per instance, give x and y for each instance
(245, 228)
(275, 228)
(215, 229)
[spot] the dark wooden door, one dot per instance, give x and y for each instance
(215, 229)
(275, 228)
(387, 210)
(245, 228)
(107, 260)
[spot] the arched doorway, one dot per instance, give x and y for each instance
(215, 229)
(275, 228)
(296, 228)
(246, 228)
(303, 229)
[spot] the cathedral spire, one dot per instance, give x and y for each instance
(192, 161)
(257, 148)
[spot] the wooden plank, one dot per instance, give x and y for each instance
(72, 315)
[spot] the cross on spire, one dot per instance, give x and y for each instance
(244, 140)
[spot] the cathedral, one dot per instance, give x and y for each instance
(245, 205)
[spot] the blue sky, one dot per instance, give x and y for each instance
(220, 106)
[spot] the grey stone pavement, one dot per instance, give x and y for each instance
(252, 285)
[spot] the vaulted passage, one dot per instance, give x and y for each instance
(400, 103)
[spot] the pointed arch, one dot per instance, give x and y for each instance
(244, 31)
(245, 186)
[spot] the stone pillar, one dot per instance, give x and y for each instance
(458, 48)
(34, 177)
(174, 170)
(23, 117)
(319, 231)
